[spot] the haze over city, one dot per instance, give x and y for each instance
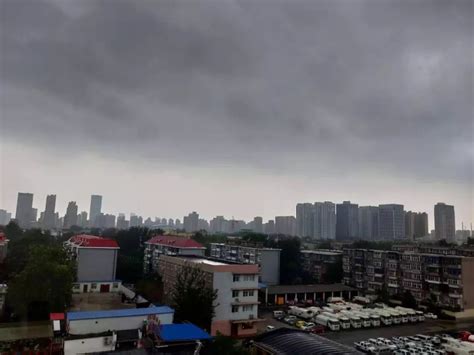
(237, 108)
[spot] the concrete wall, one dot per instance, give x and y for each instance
(468, 283)
(95, 264)
(88, 326)
(88, 345)
(78, 287)
(200, 252)
(270, 266)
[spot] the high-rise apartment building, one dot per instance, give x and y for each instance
(257, 225)
(135, 221)
(324, 220)
(4, 217)
(95, 209)
(269, 227)
(410, 225)
(48, 220)
(82, 220)
(305, 219)
(109, 221)
(285, 225)
(347, 220)
(24, 209)
(191, 222)
(368, 222)
(391, 222)
(421, 225)
(122, 223)
(70, 219)
(445, 226)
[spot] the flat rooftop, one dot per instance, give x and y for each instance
(29, 330)
(322, 252)
(118, 313)
(206, 261)
(98, 301)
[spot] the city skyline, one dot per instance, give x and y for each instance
(237, 108)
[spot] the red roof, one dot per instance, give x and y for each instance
(56, 316)
(3, 237)
(92, 241)
(174, 241)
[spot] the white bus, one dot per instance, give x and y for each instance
(329, 322)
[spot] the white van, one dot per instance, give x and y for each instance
(278, 314)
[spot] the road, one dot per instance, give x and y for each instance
(348, 337)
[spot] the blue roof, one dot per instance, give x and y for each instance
(181, 332)
(116, 313)
(262, 285)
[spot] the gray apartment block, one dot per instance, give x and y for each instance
(268, 259)
(96, 264)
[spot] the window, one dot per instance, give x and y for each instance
(76, 286)
(93, 286)
(248, 293)
(115, 285)
(247, 308)
(235, 309)
(236, 278)
(235, 293)
(249, 277)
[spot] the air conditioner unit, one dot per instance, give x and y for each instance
(236, 300)
(107, 341)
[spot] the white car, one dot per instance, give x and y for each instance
(270, 328)
(431, 315)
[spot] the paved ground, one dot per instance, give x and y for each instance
(98, 301)
(348, 337)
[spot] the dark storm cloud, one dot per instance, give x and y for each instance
(278, 84)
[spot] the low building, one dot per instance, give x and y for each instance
(97, 322)
(169, 245)
(236, 310)
(292, 294)
(96, 260)
(318, 262)
(268, 259)
(285, 341)
(3, 247)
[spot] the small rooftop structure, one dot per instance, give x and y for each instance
(181, 333)
(118, 313)
(175, 241)
(92, 241)
(285, 341)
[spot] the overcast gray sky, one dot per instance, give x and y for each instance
(239, 108)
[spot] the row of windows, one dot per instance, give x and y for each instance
(246, 293)
(238, 277)
(246, 308)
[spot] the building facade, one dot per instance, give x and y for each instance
(268, 259)
(70, 219)
(285, 225)
(304, 219)
(24, 210)
(446, 280)
(48, 220)
(95, 209)
(368, 222)
(391, 222)
(168, 245)
(96, 260)
(236, 311)
(347, 221)
(445, 224)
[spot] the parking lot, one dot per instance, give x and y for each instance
(348, 337)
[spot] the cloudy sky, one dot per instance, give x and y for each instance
(239, 108)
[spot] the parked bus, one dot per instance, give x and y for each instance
(329, 322)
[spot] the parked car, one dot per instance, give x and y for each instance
(270, 328)
(431, 315)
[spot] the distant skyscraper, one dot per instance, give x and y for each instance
(421, 225)
(178, 224)
(109, 221)
(122, 223)
(95, 210)
(347, 221)
(24, 209)
(82, 220)
(218, 225)
(324, 220)
(368, 222)
(4, 217)
(305, 219)
(191, 222)
(171, 222)
(70, 219)
(445, 226)
(269, 227)
(203, 224)
(410, 225)
(391, 222)
(285, 225)
(48, 221)
(258, 225)
(136, 221)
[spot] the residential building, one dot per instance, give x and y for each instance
(109, 221)
(95, 209)
(410, 225)
(318, 262)
(191, 222)
(324, 220)
(391, 222)
(96, 260)
(203, 225)
(347, 220)
(285, 225)
(236, 311)
(269, 227)
(368, 222)
(305, 219)
(70, 218)
(257, 225)
(24, 210)
(169, 245)
(443, 279)
(268, 259)
(3, 247)
(445, 225)
(135, 221)
(5, 217)
(48, 220)
(219, 225)
(421, 225)
(82, 220)
(122, 223)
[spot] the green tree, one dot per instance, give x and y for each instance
(334, 272)
(290, 260)
(226, 345)
(408, 300)
(44, 285)
(193, 297)
(13, 231)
